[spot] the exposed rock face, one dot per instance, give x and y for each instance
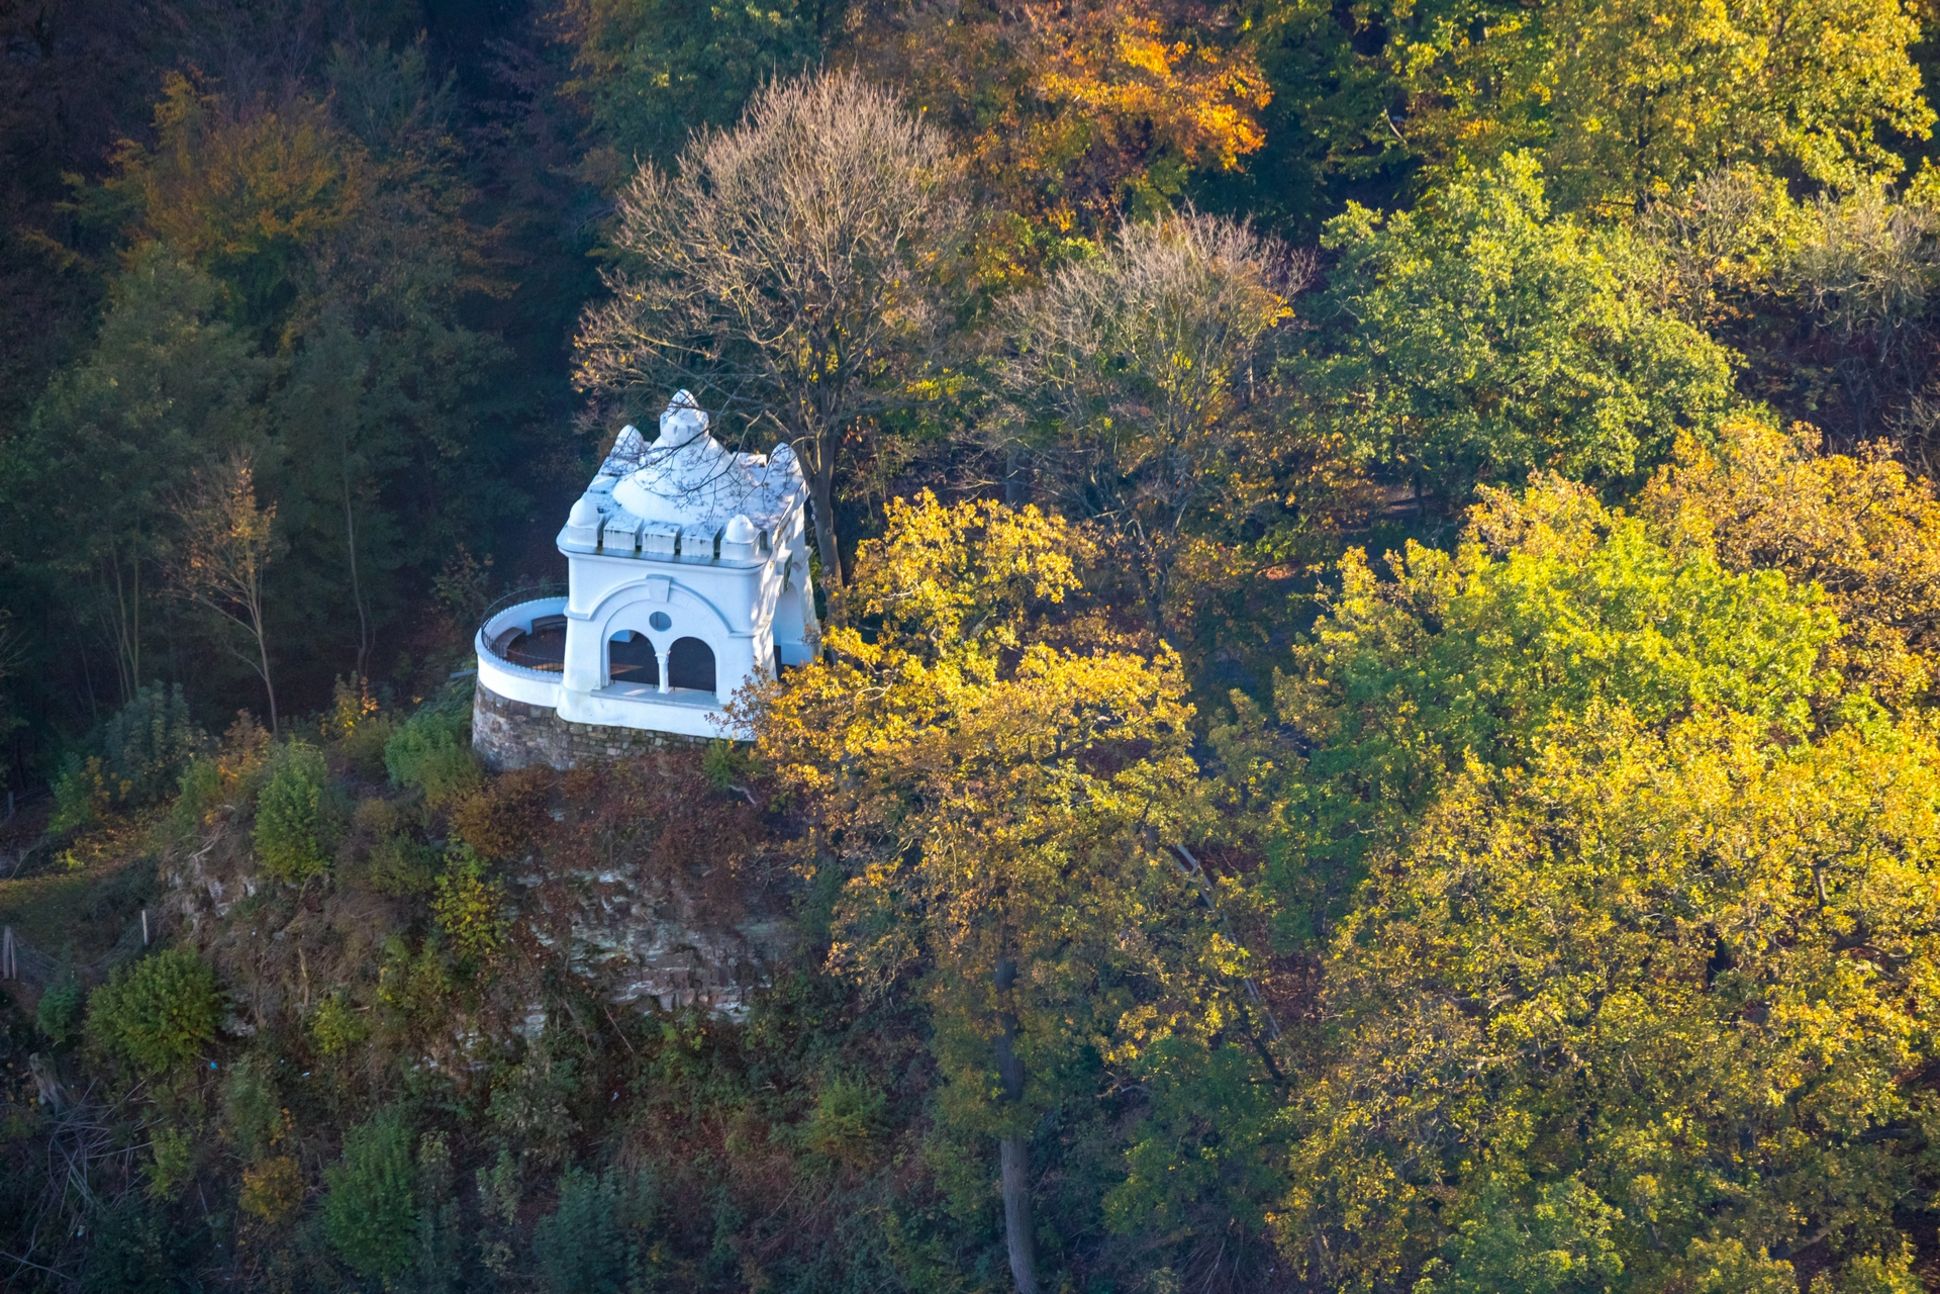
(510, 734)
(204, 884)
(637, 939)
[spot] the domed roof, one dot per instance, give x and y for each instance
(686, 477)
(628, 452)
(739, 531)
(585, 513)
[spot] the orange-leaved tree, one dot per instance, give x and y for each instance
(1068, 112)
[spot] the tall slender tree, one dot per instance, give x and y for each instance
(228, 543)
(1004, 796)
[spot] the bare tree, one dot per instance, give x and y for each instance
(786, 271)
(228, 542)
(1138, 391)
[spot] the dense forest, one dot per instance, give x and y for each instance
(1377, 722)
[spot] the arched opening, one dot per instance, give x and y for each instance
(690, 664)
(630, 658)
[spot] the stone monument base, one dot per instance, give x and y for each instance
(509, 734)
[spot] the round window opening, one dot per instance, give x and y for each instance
(661, 620)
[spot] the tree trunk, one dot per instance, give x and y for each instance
(275, 727)
(124, 621)
(1013, 1148)
(822, 503)
(1013, 1158)
(262, 664)
(356, 583)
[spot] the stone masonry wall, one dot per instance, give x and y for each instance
(510, 734)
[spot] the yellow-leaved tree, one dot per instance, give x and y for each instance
(1618, 839)
(1069, 114)
(1628, 101)
(1859, 526)
(1653, 1012)
(1003, 787)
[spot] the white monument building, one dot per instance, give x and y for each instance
(687, 577)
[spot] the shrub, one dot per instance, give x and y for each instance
(252, 1111)
(149, 741)
(135, 760)
(59, 1013)
(843, 1123)
(363, 750)
(431, 751)
(448, 774)
(229, 775)
(598, 1235)
(401, 866)
(374, 817)
(335, 1027)
(413, 986)
(171, 1163)
(531, 1104)
(135, 1250)
(158, 1013)
(351, 707)
(370, 1212)
(273, 1189)
(470, 907)
(356, 727)
(725, 764)
(243, 754)
(383, 851)
(504, 817)
(197, 796)
(81, 795)
(499, 1200)
(294, 819)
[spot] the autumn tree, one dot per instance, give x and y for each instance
(1624, 104)
(1071, 114)
(1551, 604)
(169, 385)
(1651, 1004)
(1479, 337)
(1858, 526)
(331, 263)
(76, 75)
(1622, 879)
(786, 270)
(228, 542)
(1002, 796)
(1138, 389)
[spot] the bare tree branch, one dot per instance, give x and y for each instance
(787, 272)
(1139, 384)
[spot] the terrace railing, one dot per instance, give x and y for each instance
(513, 642)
